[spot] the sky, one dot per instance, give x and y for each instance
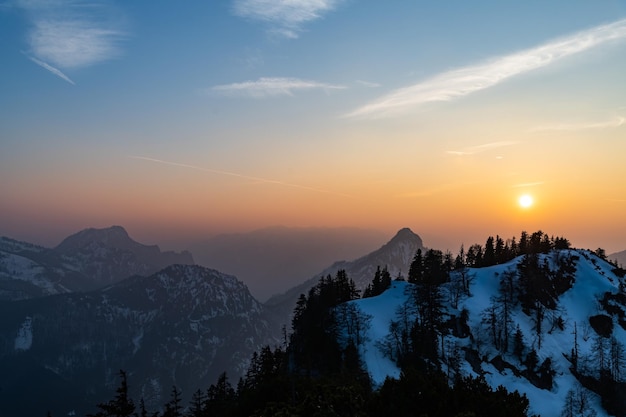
(182, 120)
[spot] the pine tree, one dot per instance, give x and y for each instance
(474, 257)
(500, 253)
(489, 256)
(221, 395)
(142, 409)
(197, 406)
(416, 268)
(523, 243)
(385, 279)
(575, 349)
(617, 357)
(518, 343)
(121, 406)
(174, 408)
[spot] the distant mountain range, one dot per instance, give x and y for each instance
(72, 316)
(75, 314)
(85, 261)
(272, 259)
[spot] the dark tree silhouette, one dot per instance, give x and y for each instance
(121, 406)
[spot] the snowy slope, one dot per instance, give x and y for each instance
(593, 278)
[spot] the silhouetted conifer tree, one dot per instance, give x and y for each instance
(121, 406)
(416, 268)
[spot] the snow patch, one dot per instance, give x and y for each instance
(24, 339)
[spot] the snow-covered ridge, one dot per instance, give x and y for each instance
(595, 286)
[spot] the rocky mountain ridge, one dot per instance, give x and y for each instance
(87, 260)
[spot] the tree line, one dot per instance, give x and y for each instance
(317, 371)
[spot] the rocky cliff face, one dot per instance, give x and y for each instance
(182, 326)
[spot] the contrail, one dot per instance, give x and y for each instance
(235, 174)
(52, 69)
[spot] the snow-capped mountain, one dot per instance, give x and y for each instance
(182, 326)
(396, 255)
(568, 357)
(87, 260)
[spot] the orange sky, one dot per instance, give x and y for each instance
(181, 129)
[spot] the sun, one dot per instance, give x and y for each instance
(525, 201)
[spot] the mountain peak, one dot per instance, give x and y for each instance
(405, 234)
(395, 255)
(110, 254)
(114, 236)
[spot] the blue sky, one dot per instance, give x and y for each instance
(218, 116)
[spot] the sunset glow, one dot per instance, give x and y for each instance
(209, 117)
(525, 201)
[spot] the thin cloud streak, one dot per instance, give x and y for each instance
(53, 70)
(467, 80)
(285, 17)
(616, 122)
(472, 150)
(235, 174)
(267, 87)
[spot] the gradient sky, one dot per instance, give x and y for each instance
(180, 120)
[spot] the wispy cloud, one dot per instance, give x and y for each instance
(284, 17)
(615, 122)
(467, 80)
(471, 150)
(238, 175)
(67, 34)
(266, 87)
